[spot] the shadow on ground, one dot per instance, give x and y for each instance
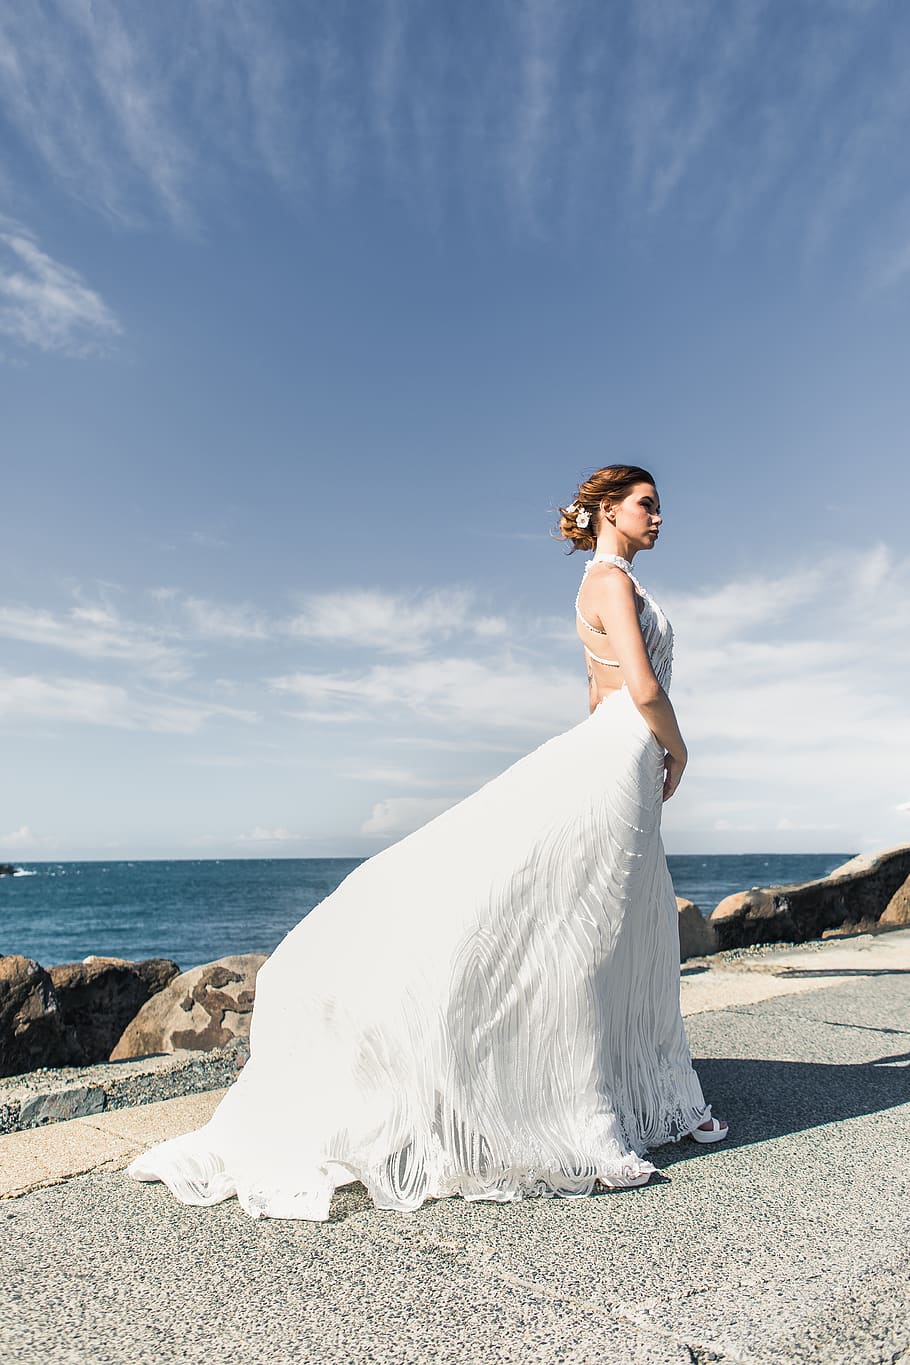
(764, 1099)
(789, 972)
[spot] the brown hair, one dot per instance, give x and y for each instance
(613, 483)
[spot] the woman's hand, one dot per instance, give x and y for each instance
(673, 771)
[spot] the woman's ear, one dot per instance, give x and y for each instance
(606, 510)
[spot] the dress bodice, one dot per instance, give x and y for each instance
(655, 628)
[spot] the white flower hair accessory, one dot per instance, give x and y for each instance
(581, 514)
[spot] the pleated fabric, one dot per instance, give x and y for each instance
(488, 1008)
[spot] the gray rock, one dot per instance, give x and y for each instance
(851, 899)
(59, 1105)
(198, 1010)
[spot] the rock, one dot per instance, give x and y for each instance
(858, 894)
(897, 911)
(697, 936)
(74, 1103)
(201, 1009)
(850, 928)
(97, 998)
(31, 1033)
(742, 905)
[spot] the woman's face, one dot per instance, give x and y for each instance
(637, 516)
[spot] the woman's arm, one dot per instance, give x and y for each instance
(611, 595)
(593, 690)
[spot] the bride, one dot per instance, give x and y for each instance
(489, 1007)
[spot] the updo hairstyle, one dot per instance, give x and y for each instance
(613, 483)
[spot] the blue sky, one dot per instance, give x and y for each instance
(310, 315)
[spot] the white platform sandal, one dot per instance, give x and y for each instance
(716, 1133)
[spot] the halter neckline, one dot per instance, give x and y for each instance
(611, 559)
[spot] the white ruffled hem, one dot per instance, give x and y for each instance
(202, 1178)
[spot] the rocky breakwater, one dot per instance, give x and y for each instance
(866, 894)
(84, 1013)
(72, 1014)
(107, 1034)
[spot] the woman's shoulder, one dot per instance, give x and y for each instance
(604, 571)
(607, 585)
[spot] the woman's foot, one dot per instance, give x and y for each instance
(712, 1130)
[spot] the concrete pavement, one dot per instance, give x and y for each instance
(789, 1242)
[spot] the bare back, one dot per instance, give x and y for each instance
(605, 672)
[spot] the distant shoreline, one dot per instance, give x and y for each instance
(362, 857)
(195, 910)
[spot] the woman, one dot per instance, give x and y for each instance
(489, 1007)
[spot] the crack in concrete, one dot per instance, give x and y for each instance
(479, 1259)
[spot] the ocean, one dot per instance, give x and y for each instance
(194, 911)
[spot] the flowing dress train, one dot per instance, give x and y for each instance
(489, 1007)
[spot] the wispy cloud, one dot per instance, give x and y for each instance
(790, 687)
(83, 701)
(537, 111)
(393, 623)
(182, 624)
(91, 96)
(94, 632)
(687, 66)
(473, 694)
(401, 814)
(18, 838)
(361, 618)
(399, 777)
(386, 77)
(208, 621)
(209, 540)
(794, 702)
(180, 616)
(261, 835)
(132, 84)
(539, 32)
(48, 305)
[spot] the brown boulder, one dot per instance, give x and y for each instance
(30, 1028)
(201, 1009)
(97, 998)
(855, 895)
(897, 911)
(697, 936)
(748, 906)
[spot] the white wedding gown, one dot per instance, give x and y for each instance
(490, 1007)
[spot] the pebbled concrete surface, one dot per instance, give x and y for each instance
(789, 1243)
